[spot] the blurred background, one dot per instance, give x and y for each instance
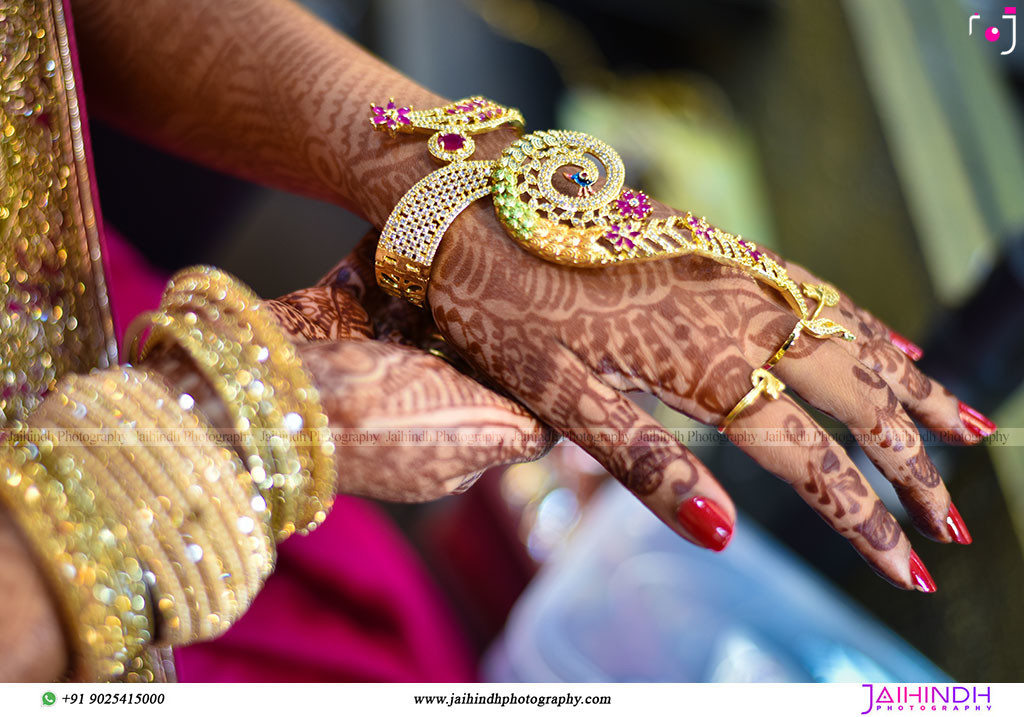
(873, 141)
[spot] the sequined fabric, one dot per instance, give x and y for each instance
(54, 313)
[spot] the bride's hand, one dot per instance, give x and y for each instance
(408, 425)
(568, 342)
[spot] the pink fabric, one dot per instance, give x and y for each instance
(134, 286)
(350, 602)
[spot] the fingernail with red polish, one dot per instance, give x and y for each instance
(957, 529)
(706, 522)
(906, 346)
(976, 421)
(919, 574)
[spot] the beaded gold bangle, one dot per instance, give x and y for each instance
(209, 493)
(255, 370)
(219, 360)
(243, 508)
(189, 510)
(80, 543)
(115, 475)
(304, 423)
(215, 495)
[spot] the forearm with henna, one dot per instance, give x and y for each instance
(257, 88)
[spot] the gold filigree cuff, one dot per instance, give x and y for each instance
(414, 230)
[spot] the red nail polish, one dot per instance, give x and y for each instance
(706, 522)
(906, 346)
(957, 529)
(919, 574)
(976, 422)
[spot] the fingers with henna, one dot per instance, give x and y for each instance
(331, 309)
(415, 427)
(821, 473)
(926, 399)
(638, 451)
(892, 355)
(841, 386)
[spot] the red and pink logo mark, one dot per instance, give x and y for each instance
(994, 34)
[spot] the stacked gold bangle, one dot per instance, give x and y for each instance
(249, 360)
(151, 530)
(81, 542)
(187, 501)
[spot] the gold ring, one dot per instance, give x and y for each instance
(762, 382)
(786, 345)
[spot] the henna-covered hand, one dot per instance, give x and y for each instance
(564, 342)
(568, 342)
(408, 425)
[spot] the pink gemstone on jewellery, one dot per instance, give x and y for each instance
(391, 115)
(633, 204)
(622, 236)
(756, 254)
(451, 142)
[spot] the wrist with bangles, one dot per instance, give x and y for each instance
(150, 530)
(604, 224)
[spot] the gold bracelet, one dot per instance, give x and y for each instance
(81, 546)
(413, 232)
(203, 489)
(255, 370)
(305, 424)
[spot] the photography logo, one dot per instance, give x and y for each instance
(994, 33)
(927, 698)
